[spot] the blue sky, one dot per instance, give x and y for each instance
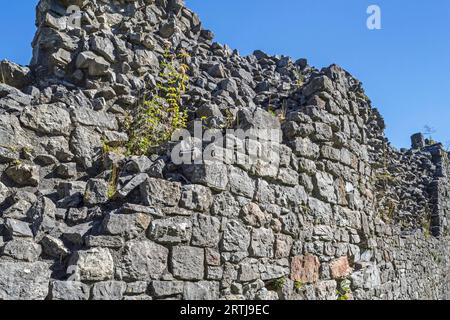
(405, 67)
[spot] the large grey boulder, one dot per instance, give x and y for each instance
(202, 290)
(236, 237)
(142, 260)
(24, 175)
(104, 47)
(69, 291)
(160, 192)
(129, 226)
(24, 280)
(95, 65)
(188, 263)
(213, 174)
(206, 231)
(91, 118)
(50, 119)
(196, 197)
(171, 231)
(108, 290)
(22, 249)
(14, 75)
(91, 265)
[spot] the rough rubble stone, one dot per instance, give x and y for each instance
(262, 243)
(51, 119)
(188, 263)
(24, 280)
(142, 260)
(96, 192)
(196, 197)
(340, 268)
(160, 192)
(212, 174)
(69, 291)
(108, 290)
(206, 231)
(92, 265)
(171, 231)
(24, 175)
(128, 226)
(15, 75)
(23, 250)
(236, 237)
(166, 288)
(54, 247)
(305, 269)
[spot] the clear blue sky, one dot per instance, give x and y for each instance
(405, 67)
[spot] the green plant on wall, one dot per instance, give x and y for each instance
(157, 118)
(277, 284)
(298, 285)
(344, 291)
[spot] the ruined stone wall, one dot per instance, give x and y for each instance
(339, 214)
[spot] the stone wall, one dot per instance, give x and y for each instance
(340, 214)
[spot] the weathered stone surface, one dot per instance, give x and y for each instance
(4, 193)
(92, 265)
(142, 260)
(132, 185)
(235, 237)
(51, 119)
(24, 250)
(340, 268)
(188, 263)
(305, 269)
(96, 192)
(314, 190)
(212, 174)
(240, 183)
(273, 269)
(224, 204)
(54, 247)
(19, 229)
(105, 241)
(85, 144)
(24, 281)
(253, 215)
(160, 192)
(325, 188)
(326, 290)
(128, 226)
(95, 65)
(24, 175)
(171, 231)
(15, 75)
(196, 197)
(166, 288)
(367, 277)
(69, 291)
(262, 243)
(108, 290)
(92, 118)
(104, 47)
(203, 290)
(206, 231)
